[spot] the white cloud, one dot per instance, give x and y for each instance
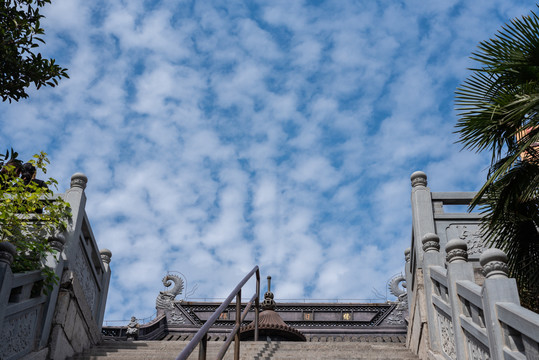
(216, 135)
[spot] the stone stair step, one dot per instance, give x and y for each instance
(150, 350)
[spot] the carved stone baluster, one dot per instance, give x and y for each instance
(106, 254)
(422, 216)
(76, 198)
(496, 288)
(431, 257)
(458, 268)
(55, 262)
(408, 274)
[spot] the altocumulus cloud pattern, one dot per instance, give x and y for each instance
(217, 135)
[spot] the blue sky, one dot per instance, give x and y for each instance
(217, 135)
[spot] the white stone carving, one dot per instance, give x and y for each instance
(456, 251)
(471, 233)
(84, 274)
(431, 242)
(494, 263)
(398, 314)
(418, 178)
(165, 299)
(397, 287)
(476, 351)
(17, 334)
(133, 329)
(447, 336)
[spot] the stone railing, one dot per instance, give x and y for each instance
(461, 306)
(68, 319)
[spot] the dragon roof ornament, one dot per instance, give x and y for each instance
(165, 299)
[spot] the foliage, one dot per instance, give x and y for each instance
(30, 215)
(20, 64)
(499, 112)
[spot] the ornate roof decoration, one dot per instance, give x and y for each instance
(270, 324)
(165, 299)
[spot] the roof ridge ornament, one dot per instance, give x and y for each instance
(268, 303)
(270, 324)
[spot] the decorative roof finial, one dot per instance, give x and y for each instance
(270, 324)
(268, 303)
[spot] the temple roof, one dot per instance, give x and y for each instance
(271, 324)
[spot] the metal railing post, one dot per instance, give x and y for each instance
(201, 336)
(203, 346)
(238, 324)
(257, 304)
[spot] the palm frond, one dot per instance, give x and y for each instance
(498, 110)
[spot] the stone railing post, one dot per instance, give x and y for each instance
(496, 288)
(422, 216)
(77, 201)
(458, 268)
(7, 255)
(431, 257)
(408, 274)
(106, 254)
(57, 243)
(54, 261)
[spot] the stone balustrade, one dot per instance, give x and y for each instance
(68, 318)
(455, 312)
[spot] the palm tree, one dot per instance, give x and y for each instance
(499, 112)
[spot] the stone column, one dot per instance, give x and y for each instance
(77, 201)
(431, 257)
(106, 254)
(422, 213)
(7, 255)
(496, 288)
(458, 268)
(54, 261)
(408, 274)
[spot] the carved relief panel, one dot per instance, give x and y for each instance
(447, 336)
(468, 232)
(17, 334)
(85, 275)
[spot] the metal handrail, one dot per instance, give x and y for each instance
(202, 335)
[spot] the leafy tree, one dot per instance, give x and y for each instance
(499, 112)
(20, 64)
(30, 214)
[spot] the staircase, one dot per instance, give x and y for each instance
(153, 350)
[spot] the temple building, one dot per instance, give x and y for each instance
(279, 321)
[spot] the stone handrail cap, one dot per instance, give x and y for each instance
(456, 250)
(106, 254)
(431, 242)
(494, 263)
(7, 252)
(418, 178)
(79, 180)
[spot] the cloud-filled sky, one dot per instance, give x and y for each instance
(217, 135)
